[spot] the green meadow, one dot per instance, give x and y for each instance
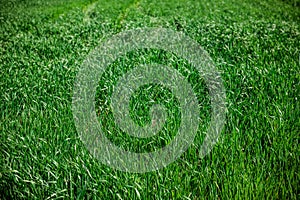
(255, 46)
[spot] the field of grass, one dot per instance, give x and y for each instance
(256, 47)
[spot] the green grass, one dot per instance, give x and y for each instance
(255, 46)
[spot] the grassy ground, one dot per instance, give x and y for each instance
(254, 44)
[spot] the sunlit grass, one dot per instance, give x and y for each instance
(255, 46)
